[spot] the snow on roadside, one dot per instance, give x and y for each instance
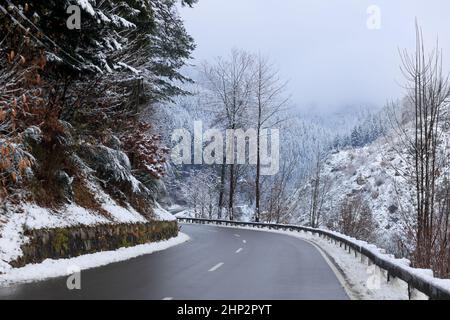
(11, 239)
(121, 214)
(187, 213)
(405, 264)
(64, 267)
(162, 214)
(37, 217)
(30, 216)
(366, 282)
(118, 213)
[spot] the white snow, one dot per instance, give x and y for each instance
(121, 214)
(87, 6)
(103, 17)
(37, 217)
(63, 267)
(245, 213)
(365, 282)
(188, 213)
(162, 214)
(31, 216)
(122, 64)
(34, 217)
(121, 22)
(11, 238)
(373, 173)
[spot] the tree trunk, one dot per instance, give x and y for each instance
(231, 198)
(257, 180)
(221, 190)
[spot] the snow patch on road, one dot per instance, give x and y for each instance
(64, 267)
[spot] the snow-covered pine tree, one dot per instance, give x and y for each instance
(143, 38)
(87, 84)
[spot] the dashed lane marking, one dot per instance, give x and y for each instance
(217, 266)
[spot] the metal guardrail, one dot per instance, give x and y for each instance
(414, 281)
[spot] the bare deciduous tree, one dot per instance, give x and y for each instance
(269, 101)
(355, 219)
(230, 83)
(200, 192)
(428, 92)
(319, 188)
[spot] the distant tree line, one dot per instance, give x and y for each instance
(362, 134)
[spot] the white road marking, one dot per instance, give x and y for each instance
(236, 235)
(238, 250)
(168, 298)
(244, 241)
(217, 266)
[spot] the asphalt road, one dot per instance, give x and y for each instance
(217, 263)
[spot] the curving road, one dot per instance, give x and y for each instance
(217, 263)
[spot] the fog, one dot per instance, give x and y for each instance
(325, 48)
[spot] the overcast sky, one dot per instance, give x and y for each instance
(323, 47)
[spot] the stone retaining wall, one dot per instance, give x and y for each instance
(57, 243)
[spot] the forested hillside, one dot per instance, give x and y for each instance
(74, 147)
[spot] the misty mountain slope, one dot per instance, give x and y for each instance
(378, 174)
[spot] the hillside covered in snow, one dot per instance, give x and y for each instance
(378, 177)
(75, 152)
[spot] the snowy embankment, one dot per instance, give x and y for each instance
(361, 278)
(30, 216)
(65, 267)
